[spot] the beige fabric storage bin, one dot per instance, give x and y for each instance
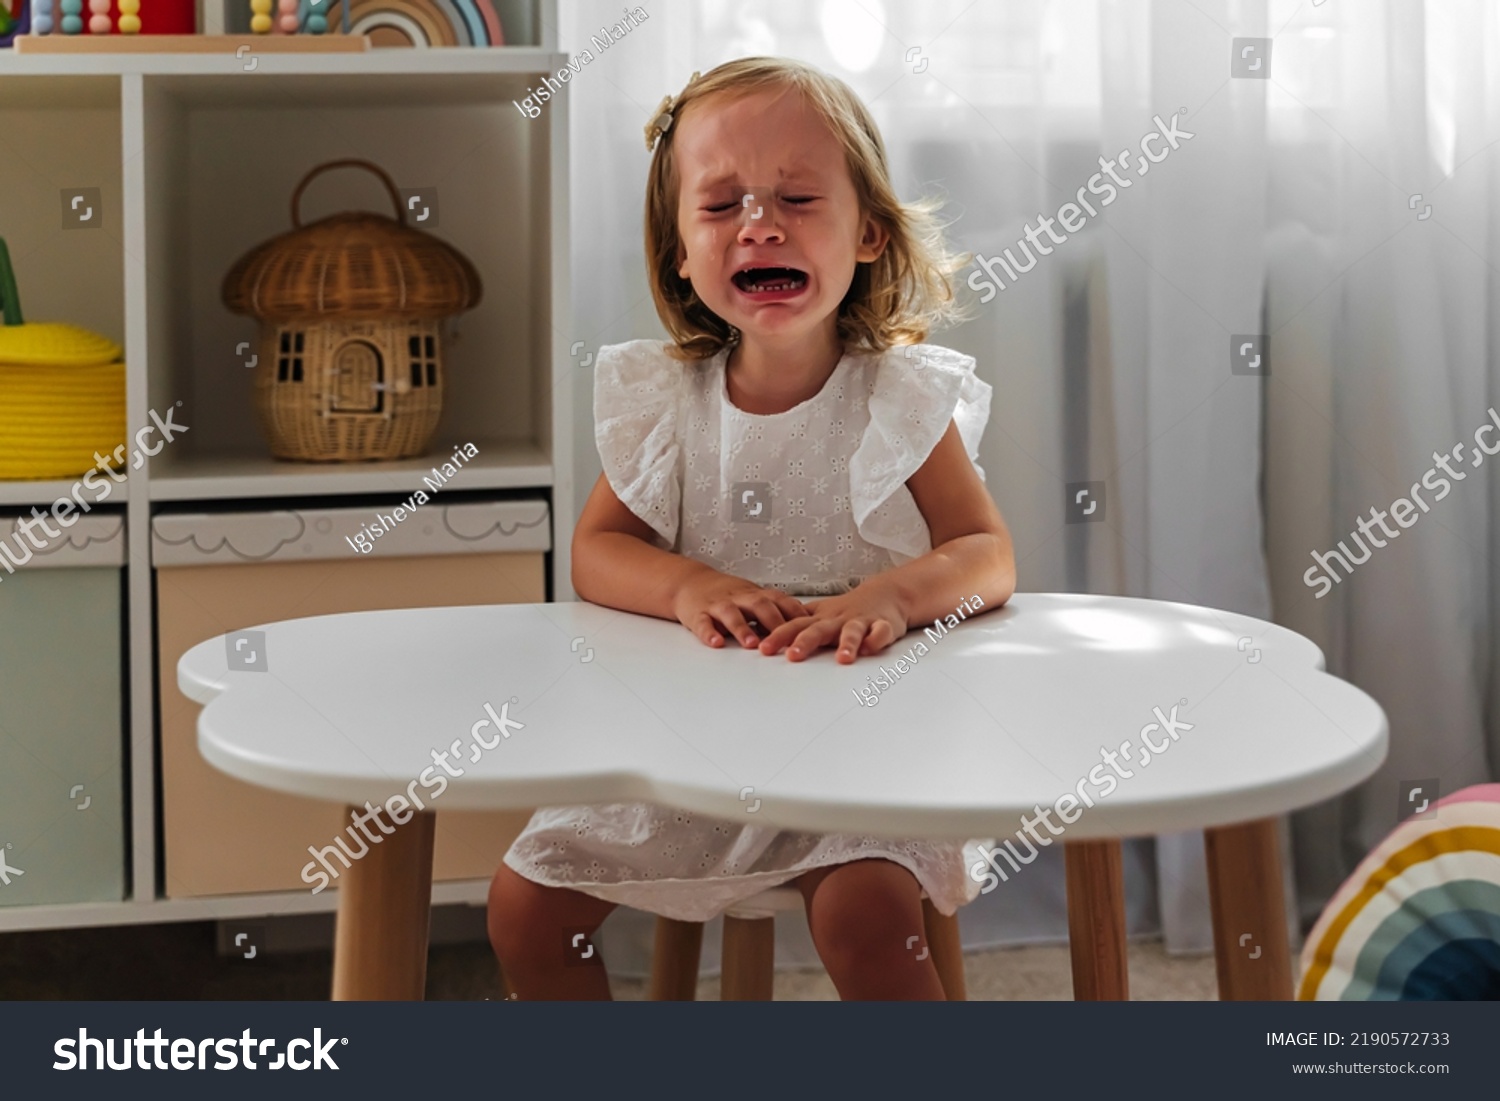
(229, 571)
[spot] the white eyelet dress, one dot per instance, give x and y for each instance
(832, 473)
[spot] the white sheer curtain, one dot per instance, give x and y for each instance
(1284, 214)
(1384, 333)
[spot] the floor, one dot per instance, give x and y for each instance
(154, 962)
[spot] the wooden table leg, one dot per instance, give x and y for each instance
(385, 907)
(1244, 889)
(1096, 920)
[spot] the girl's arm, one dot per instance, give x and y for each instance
(616, 564)
(971, 550)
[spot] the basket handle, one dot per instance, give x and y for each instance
(352, 162)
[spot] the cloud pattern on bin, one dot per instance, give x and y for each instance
(449, 518)
(89, 535)
(278, 529)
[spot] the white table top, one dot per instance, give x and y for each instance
(1008, 711)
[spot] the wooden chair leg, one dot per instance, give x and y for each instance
(749, 959)
(1096, 920)
(674, 962)
(947, 950)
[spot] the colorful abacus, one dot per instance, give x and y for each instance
(106, 17)
(317, 21)
(99, 21)
(295, 16)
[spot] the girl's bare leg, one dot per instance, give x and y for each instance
(538, 934)
(866, 921)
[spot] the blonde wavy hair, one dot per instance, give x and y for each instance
(897, 299)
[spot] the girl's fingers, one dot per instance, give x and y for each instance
(790, 606)
(778, 639)
(813, 638)
(790, 625)
(704, 627)
(881, 635)
(734, 622)
(766, 612)
(850, 638)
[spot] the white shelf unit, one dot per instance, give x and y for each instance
(40, 495)
(196, 159)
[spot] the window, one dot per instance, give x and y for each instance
(421, 350)
(289, 358)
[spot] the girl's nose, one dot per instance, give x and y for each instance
(758, 221)
(761, 231)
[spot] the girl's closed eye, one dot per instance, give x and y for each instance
(795, 200)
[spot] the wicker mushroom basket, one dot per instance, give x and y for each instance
(350, 361)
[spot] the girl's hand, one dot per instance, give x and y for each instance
(712, 603)
(863, 621)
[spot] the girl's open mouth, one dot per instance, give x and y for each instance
(764, 283)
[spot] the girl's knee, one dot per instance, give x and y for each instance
(865, 911)
(526, 918)
(874, 882)
(519, 912)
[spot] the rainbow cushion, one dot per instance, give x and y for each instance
(1419, 919)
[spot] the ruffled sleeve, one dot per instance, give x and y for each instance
(917, 391)
(636, 394)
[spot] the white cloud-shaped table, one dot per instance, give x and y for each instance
(1009, 711)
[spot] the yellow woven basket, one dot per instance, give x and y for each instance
(62, 393)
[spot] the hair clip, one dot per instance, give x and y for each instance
(661, 120)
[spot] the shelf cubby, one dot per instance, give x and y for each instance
(60, 134)
(222, 158)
